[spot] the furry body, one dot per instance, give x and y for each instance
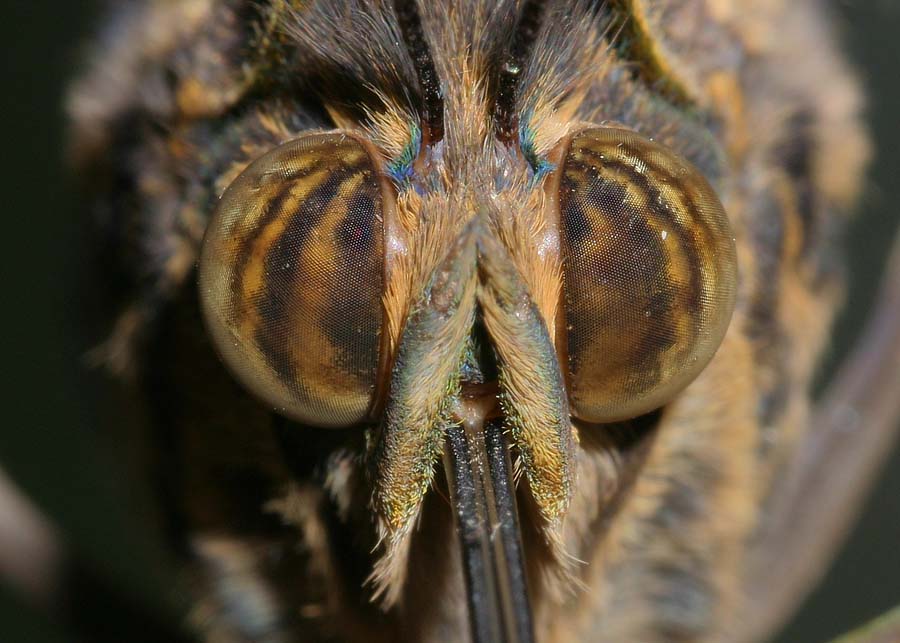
(274, 519)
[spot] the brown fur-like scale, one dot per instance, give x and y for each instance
(656, 514)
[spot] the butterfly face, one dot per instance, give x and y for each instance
(346, 287)
(544, 278)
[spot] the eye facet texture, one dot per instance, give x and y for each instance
(650, 273)
(291, 278)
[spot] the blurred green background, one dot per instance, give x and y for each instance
(51, 445)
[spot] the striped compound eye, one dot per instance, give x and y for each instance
(650, 273)
(291, 278)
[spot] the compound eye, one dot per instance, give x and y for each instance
(291, 279)
(650, 273)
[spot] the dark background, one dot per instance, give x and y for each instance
(50, 444)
